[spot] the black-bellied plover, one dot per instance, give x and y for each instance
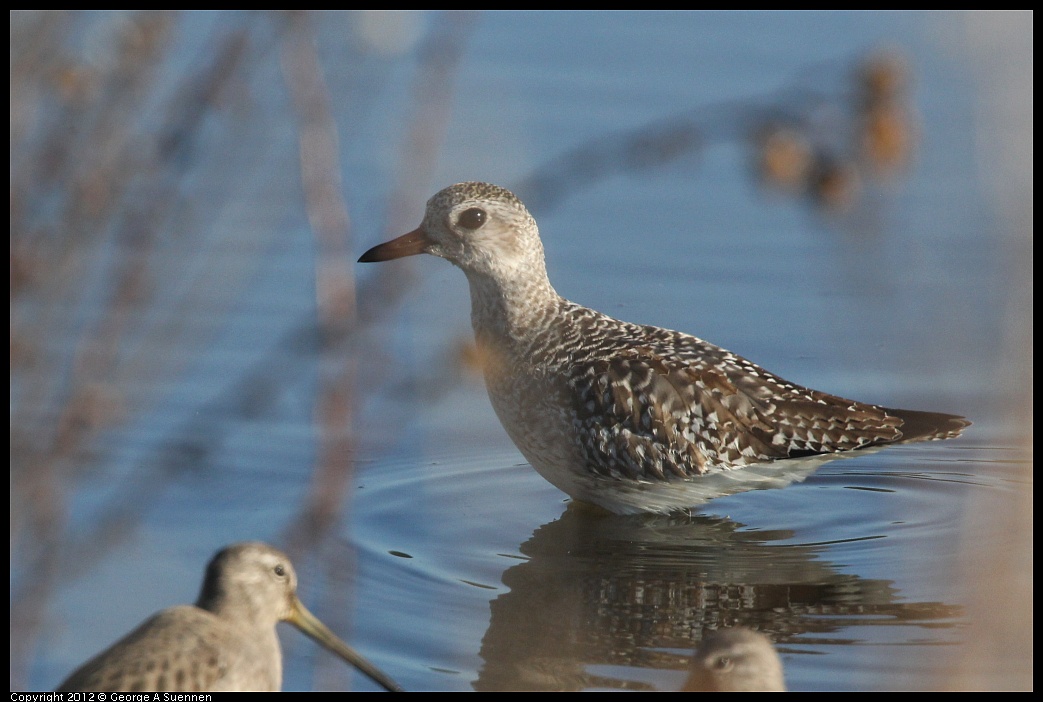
(630, 417)
(226, 642)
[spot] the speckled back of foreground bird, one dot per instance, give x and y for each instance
(225, 643)
(627, 416)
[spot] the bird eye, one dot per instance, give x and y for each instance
(472, 218)
(280, 571)
(722, 663)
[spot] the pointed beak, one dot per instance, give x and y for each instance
(411, 244)
(307, 622)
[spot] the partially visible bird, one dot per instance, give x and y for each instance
(735, 660)
(630, 417)
(226, 642)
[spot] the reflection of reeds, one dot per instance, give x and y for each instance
(118, 175)
(95, 181)
(334, 282)
(338, 382)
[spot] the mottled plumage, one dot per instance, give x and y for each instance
(735, 660)
(627, 416)
(226, 642)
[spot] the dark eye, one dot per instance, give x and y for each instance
(722, 663)
(280, 571)
(472, 218)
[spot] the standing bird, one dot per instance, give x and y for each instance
(630, 417)
(226, 642)
(735, 660)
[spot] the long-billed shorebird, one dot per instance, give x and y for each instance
(735, 660)
(630, 417)
(226, 642)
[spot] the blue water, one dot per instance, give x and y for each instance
(437, 552)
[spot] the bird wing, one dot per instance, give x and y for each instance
(666, 406)
(183, 649)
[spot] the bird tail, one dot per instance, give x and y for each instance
(928, 426)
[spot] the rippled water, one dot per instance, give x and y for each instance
(437, 551)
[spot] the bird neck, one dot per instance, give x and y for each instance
(237, 604)
(507, 310)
